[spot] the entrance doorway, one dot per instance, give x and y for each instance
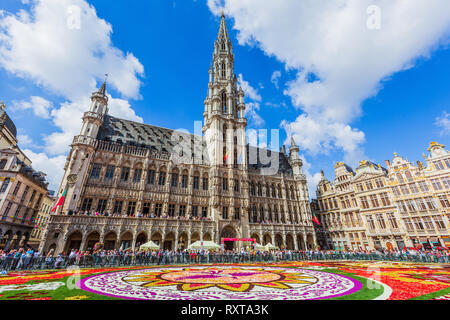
(228, 245)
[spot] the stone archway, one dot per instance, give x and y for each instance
(310, 241)
(126, 240)
(169, 241)
(6, 240)
(256, 237)
(110, 240)
(228, 232)
(300, 242)
(290, 242)
(267, 239)
(140, 240)
(279, 241)
(73, 241)
(207, 237)
(195, 237)
(183, 241)
(92, 239)
(157, 238)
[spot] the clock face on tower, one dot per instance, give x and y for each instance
(72, 179)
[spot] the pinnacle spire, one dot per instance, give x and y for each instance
(293, 145)
(223, 31)
(103, 87)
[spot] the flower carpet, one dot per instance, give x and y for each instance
(335, 280)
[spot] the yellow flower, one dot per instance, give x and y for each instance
(77, 298)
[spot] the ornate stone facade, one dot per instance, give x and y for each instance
(175, 188)
(21, 188)
(403, 205)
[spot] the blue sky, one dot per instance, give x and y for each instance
(394, 101)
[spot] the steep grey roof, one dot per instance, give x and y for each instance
(160, 139)
(144, 135)
(7, 122)
(283, 161)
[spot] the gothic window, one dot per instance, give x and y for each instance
(195, 211)
(236, 185)
(131, 208)
(137, 175)
(174, 180)
(109, 172)
(171, 210)
(224, 102)
(125, 174)
(252, 189)
(184, 181)
(259, 190)
(151, 177)
(254, 215)
(196, 182)
(225, 213)
(146, 209)
(205, 183)
(225, 184)
(224, 70)
(87, 203)
(182, 211)
(158, 209)
(118, 206)
(162, 178)
(237, 215)
(101, 205)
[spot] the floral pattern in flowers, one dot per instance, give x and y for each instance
(221, 283)
(287, 280)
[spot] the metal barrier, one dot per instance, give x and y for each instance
(124, 260)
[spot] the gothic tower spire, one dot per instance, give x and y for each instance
(224, 114)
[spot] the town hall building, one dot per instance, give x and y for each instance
(126, 183)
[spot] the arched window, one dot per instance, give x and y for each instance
(224, 102)
(224, 70)
(409, 176)
(400, 178)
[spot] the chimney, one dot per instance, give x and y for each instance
(388, 163)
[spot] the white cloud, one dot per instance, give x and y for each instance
(312, 179)
(276, 75)
(318, 137)
(40, 106)
(46, 46)
(339, 61)
(251, 92)
(68, 119)
(253, 107)
(52, 166)
(443, 122)
(24, 140)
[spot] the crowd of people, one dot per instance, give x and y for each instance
(136, 215)
(32, 259)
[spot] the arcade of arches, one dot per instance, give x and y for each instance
(112, 240)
